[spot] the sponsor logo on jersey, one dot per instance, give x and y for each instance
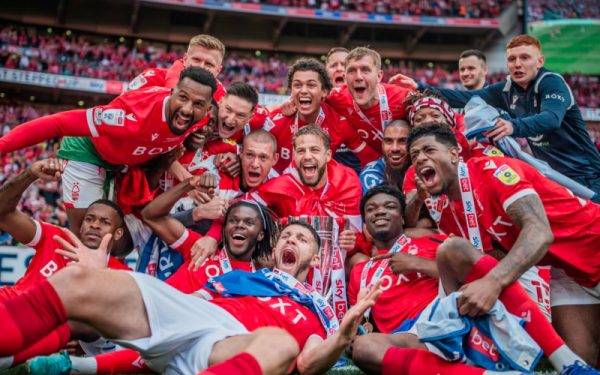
(279, 115)
(413, 250)
(507, 175)
(268, 125)
(483, 344)
(229, 141)
(154, 136)
(490, 165)
(138, 82)
(98, 116)
(537, 138)
(113, 117)
(492, 151)
(131, 117)
(350, 111)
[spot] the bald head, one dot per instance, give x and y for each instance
(261, 136)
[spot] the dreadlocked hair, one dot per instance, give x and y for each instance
(271, 227)
(413, 97)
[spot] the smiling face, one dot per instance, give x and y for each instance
(307, 93)
(198, 139)
(523, 63)
(243, 229)
(234, 113)
(296, 251)
(427, 115)
(257, 160)
(188, 103)
(100, 220)
(311, 158)
(472, 72)
(336, 67)
(362, 77)
(393, 146)
(199, 56)
(433, 163)
(383, 217)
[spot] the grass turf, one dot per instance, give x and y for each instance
(543, 368)
(575, 50)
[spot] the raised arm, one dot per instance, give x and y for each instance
(156, 213)
(20, 226)
(414, 202)
(69, 123)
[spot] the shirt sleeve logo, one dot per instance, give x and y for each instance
(113, 117)
(507, 175)
(492, 151)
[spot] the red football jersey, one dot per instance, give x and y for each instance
(133, 129)
(341, 100)
(575, 222)
(187, 281)
(338, 128)
(479, 149)
(256, 122)
(148, 78)
(404, 296)
(45, 261)
(172, 77)
(282, 312)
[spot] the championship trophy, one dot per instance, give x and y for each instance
(324, 227)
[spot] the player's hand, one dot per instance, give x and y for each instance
(288, 108)
(347, 240)
(214, 209)
(83, 255)
(502, 129)
(422, 192)
(202, 250)
(164, 161)
(400, 263)
(199, 197)
(478, 297)
(365, 300)
(74, 349)
(205, 183)
(47, 169)
(403, 81)
(228, 163)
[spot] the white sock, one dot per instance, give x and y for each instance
(6, 362)
(563, 356)
(84, 365)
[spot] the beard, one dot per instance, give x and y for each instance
(395, 176)
(302, 267)
(382, 235)
(320, 174)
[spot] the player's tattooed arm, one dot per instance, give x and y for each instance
(532, 244)
(413, 209)
(19, 225)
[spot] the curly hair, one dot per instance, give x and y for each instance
(310, 65)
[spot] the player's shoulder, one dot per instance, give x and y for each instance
(508, 171)
(339, 95)
(144, 96)
(395, 92)
(277, 117)
(376, 165)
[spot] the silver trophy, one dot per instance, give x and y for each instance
(324, 227)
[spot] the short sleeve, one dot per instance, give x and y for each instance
(185, 243)
(45, 232)
(354, 283)
(113, 119)
(409, 181)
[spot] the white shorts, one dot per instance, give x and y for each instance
(184, 328)
(98, 347)
(83, 183)
(565, 291)
(537, 289)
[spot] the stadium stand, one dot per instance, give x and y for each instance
(538, 10)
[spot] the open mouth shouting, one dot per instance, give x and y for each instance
(238, 239)
(305, 103)
(182, 122)
(253, 179)
(428, 176)
(289, 260)
(309, 170)
(226, 130)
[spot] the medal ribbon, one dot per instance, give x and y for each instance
(384, 111)
(466, 193)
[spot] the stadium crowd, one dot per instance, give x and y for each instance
(84, 56)
(538, 10)
(435, 231)
(435, 8)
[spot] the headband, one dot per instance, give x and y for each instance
(429, 102)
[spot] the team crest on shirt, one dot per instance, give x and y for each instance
(229, 141)
(113, 117)
(507, 175)
(492, 151)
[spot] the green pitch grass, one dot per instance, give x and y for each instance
(575, 50)
(543, 368)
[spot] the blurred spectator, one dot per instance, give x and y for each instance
(554, 9)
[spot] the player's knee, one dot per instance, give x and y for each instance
(64, 280)
(455, 252)
(366, 350)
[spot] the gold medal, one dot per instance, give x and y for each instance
(368, 327)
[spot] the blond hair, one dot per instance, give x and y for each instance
(208, 42)
(360, 52)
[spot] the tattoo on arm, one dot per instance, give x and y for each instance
(413, 209)
(12, 191)
(529, 215)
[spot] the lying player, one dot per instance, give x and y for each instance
(177, 332)
(537, 221)
(389, 169)
(102, 218)
(310, 84)
(132, 129)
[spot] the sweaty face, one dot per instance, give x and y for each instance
(234, 113)
(99, 220)
(383, 217)
(394, 146)
(243, 229)
(472, 73)
(311, 158)
(257, 160)
(307, 92)
(523, 63)
(188, 103)
(209, 59)
(432, 162)
(362, 77)
(336, 68)
(295, 251)
(427, 115)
